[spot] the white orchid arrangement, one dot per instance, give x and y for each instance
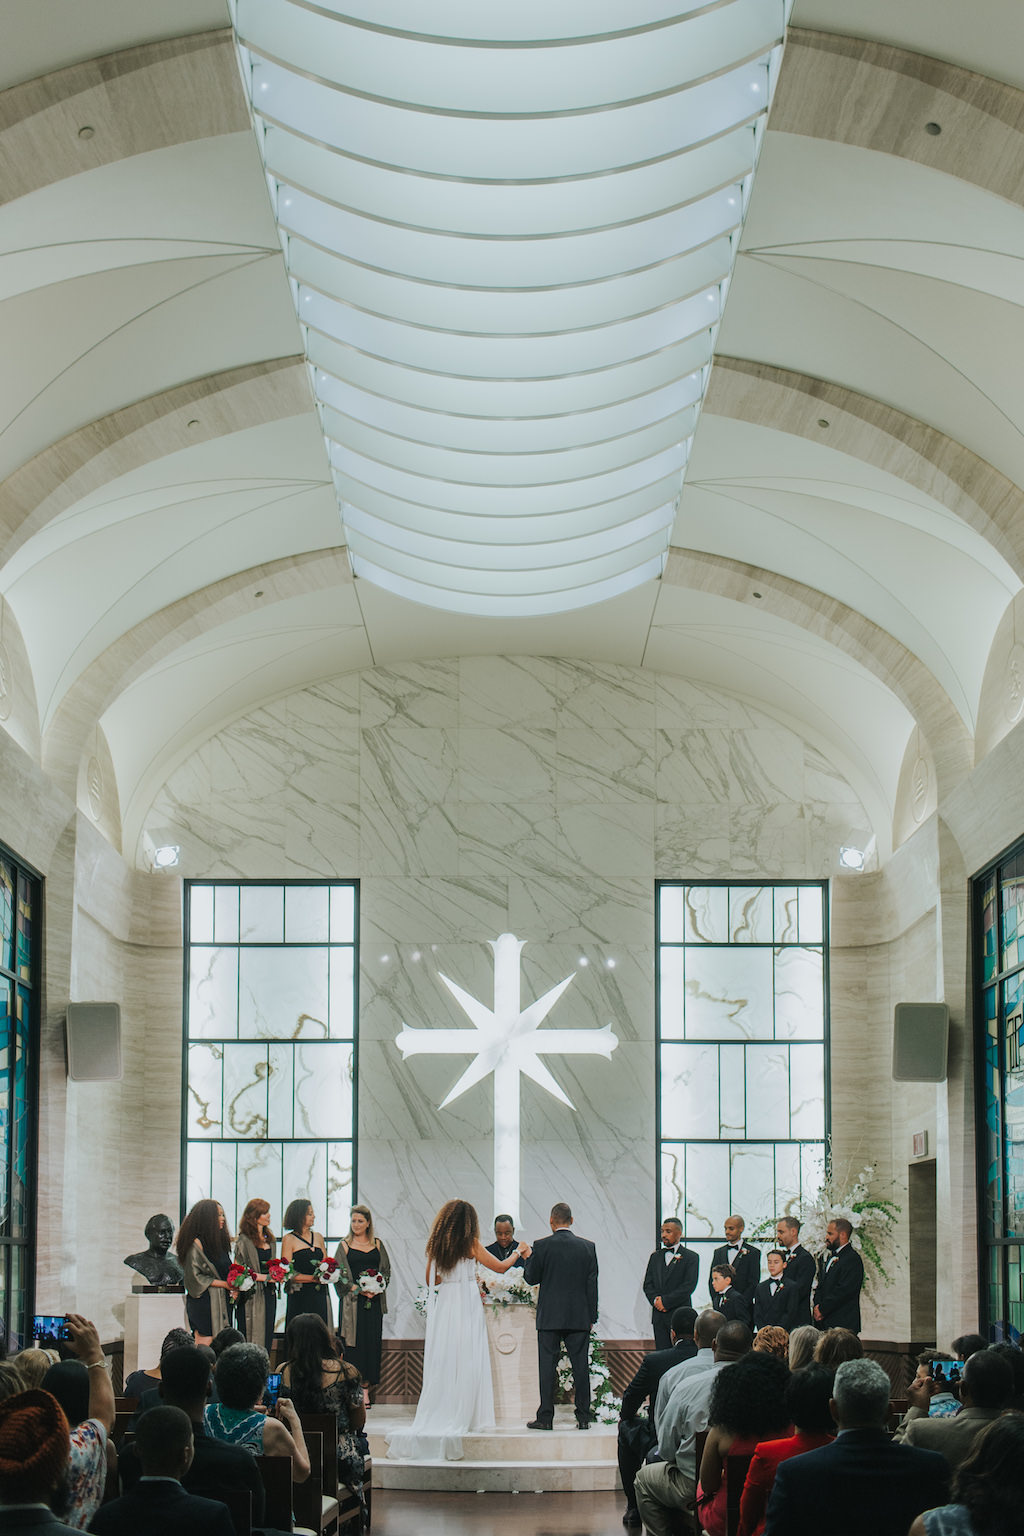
(604, 1405)
(504, 1291)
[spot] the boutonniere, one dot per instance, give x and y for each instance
(743, 1253)
(675, 1258)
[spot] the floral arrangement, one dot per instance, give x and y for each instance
(873, 1215)
(605, 1407)
(325, 1272)
(279, 1272)
(504, 1291)
(423, 1296)
(371, 1283)
(241, 1279)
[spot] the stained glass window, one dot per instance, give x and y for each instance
(742, 1053)
(20, 911)
(270, 1043)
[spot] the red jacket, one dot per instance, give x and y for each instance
(761, 1476)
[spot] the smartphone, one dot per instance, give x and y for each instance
(47, 1331)
(272, 1390)
(943, 1370)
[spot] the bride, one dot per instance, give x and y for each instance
(457, 1396)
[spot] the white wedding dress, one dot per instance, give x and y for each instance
(457, 1396)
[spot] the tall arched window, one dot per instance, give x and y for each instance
(20, 970)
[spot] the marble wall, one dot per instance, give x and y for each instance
(478, 796)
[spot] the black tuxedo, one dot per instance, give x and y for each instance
(32, 1522)
(733, 1305)
(747, 1265)
(800, 1271)
(778, 1311)
(862, 1482)
(674, 1283)
(162, 1508)
(215, 1465)
(838, 1293)
(565, 1268)
(503, 1253)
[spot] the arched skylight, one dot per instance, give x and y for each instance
(510, 232)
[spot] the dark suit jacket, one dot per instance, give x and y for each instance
(862, 1482)
(733, 1305)
(495, 1248)
(652, 1368)
(800, 1271)
(838, 1293)
(778, 1311)
(161, 1509)
(674, 1282)
(747, 1267)
(565, 1268)
(215, 1465)
(32, 1522)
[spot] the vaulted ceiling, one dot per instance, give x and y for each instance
(851, 528)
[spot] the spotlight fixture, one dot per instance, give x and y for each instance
(851, 858)
(167, 856)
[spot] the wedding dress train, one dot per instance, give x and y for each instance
(457, 1396)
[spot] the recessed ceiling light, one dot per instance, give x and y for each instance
(86, 132)
(193, 423)
(933, 128)
(167, 856)
(823, 421)
(755, 594)
(259, 593)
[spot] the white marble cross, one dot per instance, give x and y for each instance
(506, 1040)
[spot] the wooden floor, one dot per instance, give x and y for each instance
(503, 1514)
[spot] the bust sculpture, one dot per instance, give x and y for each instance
(157, 1264)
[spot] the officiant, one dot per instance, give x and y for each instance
(504, 1244)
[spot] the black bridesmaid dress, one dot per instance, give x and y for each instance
(364, 1353)
(307, 1298)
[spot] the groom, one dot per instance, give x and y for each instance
(565, 1268)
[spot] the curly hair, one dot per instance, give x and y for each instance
(748, 1397)
(307, 1345)
(248, 1227)
(837, 1345)
(203, 1223)
(772, 1341)
(452, 1237)
(241, 1375)
(991, 1481)
(807, 1399)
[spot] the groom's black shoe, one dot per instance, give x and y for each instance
(632, 1516)
(582, 1423)
(537, 1424)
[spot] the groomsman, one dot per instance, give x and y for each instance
(775, 1302)
(746, 1261)
(670, 1279)
(800, 1267)
(837, 1299)
(505, 1244)
(732, 1303)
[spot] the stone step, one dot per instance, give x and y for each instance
(497, 1476)
(527, 1445)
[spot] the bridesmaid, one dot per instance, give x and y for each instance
(362, 1324)
(204, 1247)
(304, 1247)
(254, 1247)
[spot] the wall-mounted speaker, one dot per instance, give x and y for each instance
(94, 1042)
(920, 1042)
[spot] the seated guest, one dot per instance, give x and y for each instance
(241, 1379)
(863, 1481)
(665, 1487)
(836, 1345)
(35, 1461)
(158, 1504)
(772, 1341)
(142, 1381)
(505, 1243)
(803, 1341)
(637, 1434)
(776, 1304)
(33, 1365)
(83, 1390)
(224, 1340)
(929, 1396)
(704, 1331)
(727, 1300)
(988, 1488)
(985, 1392)
(1014, 1358)
(317, 1381)
(184, 1384)
(967, 1345)
(808, 1394)
(747, 1406)
(11, 1380)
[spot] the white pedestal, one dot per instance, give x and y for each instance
(147, 1322)
(512, 1343)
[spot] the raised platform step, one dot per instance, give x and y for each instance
(508, 1459)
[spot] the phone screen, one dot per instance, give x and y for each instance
(272, 1391)
(48, 1331)
(946, 1371)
